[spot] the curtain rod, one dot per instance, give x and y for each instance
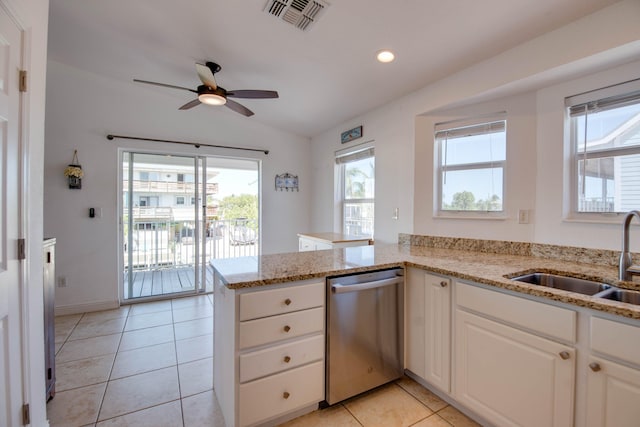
(195, 144)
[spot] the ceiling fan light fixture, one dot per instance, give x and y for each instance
(385, 56)
(212, 99)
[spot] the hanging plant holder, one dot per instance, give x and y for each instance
(74, 172)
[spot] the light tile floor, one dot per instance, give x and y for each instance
(151, 364)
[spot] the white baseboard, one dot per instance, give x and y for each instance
(87, 307)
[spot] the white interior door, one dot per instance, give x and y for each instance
(11, 390)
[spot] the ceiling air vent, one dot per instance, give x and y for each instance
(302, 14)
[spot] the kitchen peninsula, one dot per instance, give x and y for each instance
(261, 352)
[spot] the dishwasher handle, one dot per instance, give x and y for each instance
(340, 289)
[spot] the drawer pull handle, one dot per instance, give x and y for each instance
(287, 359)
(287, 328)
(565, 355)
(287, 302)
(286, 395)
(595, 367)
(444, 283)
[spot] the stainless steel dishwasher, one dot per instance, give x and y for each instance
(364, 332)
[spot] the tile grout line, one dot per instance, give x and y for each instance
(175, 349)
(129, 314)
(115, 357)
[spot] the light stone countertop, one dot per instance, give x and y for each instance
(487, 268)
(330, 237)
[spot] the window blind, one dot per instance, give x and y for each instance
(355, 155)
(478, 125)
(604, 99)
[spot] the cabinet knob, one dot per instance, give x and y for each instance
(444, 283)
(287, 301)
(287, 328)
(287, 359)
(286, 395)
(595, 367)
(565, 355)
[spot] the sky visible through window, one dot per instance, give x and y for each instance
(235, 182)
(483, 183)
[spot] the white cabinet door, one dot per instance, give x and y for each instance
(428, 327)
(305, 245)
(414, 321)
(510, 377)
(437, 330)
(613, 394)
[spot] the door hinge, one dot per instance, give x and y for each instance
(26, 416)
(23, 80)
(22, 249)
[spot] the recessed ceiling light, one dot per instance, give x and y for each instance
(385, 56)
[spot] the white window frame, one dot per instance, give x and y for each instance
(342, 157)
(178, 201)
(456, 127)
(592, 100)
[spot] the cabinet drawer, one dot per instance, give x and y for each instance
(536, 316)
(276, 328)
(616, 339)
(258, 304)
(280, 358)
(265, 398)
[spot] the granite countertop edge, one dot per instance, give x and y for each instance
(485, 268)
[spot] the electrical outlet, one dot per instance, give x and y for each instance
(62, 282)
(396, 213)
(523, 216)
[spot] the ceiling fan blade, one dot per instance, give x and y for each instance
(190, 104)
(239, 108)
(206, 75)
(254, 94)
(164, 85)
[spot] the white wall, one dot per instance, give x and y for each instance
(554, 156)
(403, 131)
(82, 108)
(520, 172)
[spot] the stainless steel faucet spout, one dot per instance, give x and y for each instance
(625, 255)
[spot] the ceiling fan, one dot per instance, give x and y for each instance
(211, 94)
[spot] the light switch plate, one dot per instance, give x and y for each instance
(523, 216)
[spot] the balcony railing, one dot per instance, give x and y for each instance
(168, 187)
(163, 243)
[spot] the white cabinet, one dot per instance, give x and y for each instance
(428, 327)
(269, 346)
(613, 394)
(506, 375)
(613, 389)
(307, 243)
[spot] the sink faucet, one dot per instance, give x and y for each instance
(627, 270)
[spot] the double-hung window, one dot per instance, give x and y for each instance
(605, 146)
(357, 178)
(471, 158)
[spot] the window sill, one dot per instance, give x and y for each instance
(466, 215)
(612, 218)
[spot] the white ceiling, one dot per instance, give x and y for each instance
(324, 76)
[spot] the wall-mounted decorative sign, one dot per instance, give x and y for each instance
(74, 172)
(351, 134)
(286, 181)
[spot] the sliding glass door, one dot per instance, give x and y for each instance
(178, 213)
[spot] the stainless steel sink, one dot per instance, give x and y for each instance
(571, 284)
(622, 295)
